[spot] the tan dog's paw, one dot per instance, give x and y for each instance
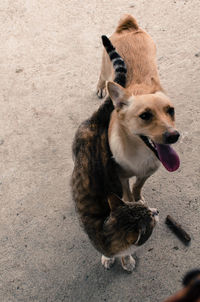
(107, 262)
(128, 263)
(142, 200)
(101, 93)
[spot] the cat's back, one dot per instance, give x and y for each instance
(94, 175)
(90, 157)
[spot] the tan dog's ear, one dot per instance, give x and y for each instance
(117, 94)
(114, 201)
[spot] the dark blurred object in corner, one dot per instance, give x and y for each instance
(191, 290)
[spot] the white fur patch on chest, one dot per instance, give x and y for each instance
(135, 158)
(130, 251)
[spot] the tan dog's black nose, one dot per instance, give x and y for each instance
(171, 137)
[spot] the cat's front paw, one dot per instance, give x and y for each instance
(107, 262)
(128, 263)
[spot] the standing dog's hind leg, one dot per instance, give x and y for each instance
(105, 75)
(101, 88)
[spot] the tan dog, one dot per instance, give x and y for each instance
(142, 126)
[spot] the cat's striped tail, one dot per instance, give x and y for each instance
(117, 61)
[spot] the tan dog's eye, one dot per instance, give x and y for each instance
(146, 115)
(170, 111)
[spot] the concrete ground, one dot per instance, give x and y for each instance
(50, 54)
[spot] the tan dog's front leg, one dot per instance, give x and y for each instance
(127, 196)
(137, 188)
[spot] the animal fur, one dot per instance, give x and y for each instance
(113, 226)
(143, 122)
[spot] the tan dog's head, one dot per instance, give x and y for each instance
(151, 117)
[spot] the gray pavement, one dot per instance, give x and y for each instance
(50, 55)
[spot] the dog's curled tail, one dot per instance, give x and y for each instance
(117, 61)
(127, 23)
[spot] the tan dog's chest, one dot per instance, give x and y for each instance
(135, 159)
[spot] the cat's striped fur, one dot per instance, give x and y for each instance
(117, 61)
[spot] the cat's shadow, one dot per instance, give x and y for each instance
(96, 280)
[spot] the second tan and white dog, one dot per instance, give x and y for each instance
(142, 125)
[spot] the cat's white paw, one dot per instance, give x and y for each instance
(107, 262)
(128, 263)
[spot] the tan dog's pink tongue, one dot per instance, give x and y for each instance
(168, 157)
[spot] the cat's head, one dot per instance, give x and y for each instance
(129, 223)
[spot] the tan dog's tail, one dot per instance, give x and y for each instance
(127, 23)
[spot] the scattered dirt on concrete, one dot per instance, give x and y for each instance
(50, 56)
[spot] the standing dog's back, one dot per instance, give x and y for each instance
(138, 50)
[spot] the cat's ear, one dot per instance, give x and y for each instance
(117, 94)
(145, 230)
(114, 201)
(132, 237)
